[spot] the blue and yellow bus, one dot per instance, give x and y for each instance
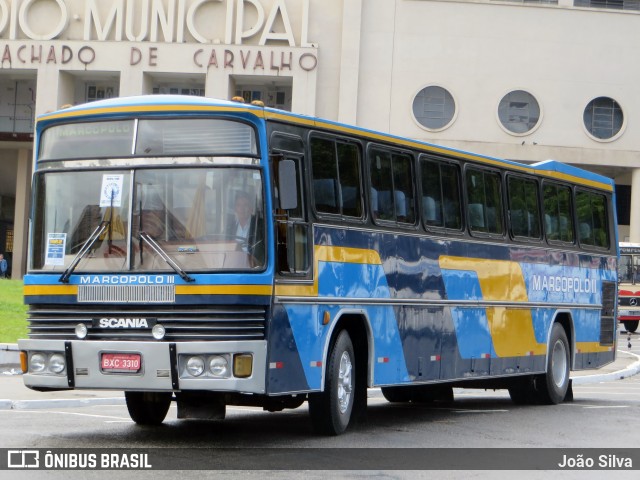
(217, 253)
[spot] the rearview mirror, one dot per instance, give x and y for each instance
(287, 185)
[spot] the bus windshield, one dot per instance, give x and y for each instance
(629, 269)
(201, 218)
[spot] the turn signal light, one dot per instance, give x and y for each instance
(24, 361)
(242, 365)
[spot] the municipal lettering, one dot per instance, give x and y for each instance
(160, 21)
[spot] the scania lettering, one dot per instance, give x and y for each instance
(232, 254)
(123, 323)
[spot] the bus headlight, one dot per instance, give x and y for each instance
(81, 331)
(57, 363)
(218, 366)
(195, 366)
(158, 331)
(37, 362)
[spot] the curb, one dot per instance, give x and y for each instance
(9, 354)
(629, 371)
(58, 403)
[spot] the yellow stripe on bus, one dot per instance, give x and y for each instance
(224, 289)
(326, 253)
(502, 280)
(30, 290)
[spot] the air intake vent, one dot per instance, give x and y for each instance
(127, 293)
(607, 317)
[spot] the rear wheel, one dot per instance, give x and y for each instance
(552, 386)
(630, 325)
(331, 410)
(148, 408)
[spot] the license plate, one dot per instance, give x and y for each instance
(121, 362)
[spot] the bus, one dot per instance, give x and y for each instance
(629, 286)
(364, 260)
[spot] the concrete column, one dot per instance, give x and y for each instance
(634, 223)
(21, 215)
(350, 61)
(217, 84)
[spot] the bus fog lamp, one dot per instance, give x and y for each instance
(158, 331)
(38, 362)
(81, 331)
(57, 363)
(242, 365)
(219, 366)
(195, 366)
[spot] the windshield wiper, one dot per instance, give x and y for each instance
(86, 246)
(158, 249)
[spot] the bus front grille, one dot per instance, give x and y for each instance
(182, 323)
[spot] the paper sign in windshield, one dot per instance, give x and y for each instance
(55, 248)
(111, 191)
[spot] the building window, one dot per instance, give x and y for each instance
(178, 90)
(9, 241)
(100, 92)
(603, 118)
(610, 4)
(434, 108)
(519, 112)
(17, 106)
(623, 204)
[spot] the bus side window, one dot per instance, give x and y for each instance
(484, 199)
(557, 207)
(292, 238)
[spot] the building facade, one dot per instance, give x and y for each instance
(527, 81)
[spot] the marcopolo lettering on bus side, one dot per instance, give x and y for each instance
(564, 284)
(127, 280)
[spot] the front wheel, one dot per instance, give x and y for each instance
(148, 408)
(630, 325)
(330, 410)
(552, 386)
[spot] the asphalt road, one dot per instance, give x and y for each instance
(602, 416)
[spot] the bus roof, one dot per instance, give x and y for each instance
(171, 104)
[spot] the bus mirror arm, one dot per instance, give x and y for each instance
(287, 185)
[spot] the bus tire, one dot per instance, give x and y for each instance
(148, 408)
(630, 325)
(552, 386)
(331, 410)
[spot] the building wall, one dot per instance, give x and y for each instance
(360, 61)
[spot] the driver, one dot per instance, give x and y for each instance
(240, 224)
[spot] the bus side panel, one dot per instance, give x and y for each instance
(285, 372)
(488, 333)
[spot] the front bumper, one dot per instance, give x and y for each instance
(160, 367)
